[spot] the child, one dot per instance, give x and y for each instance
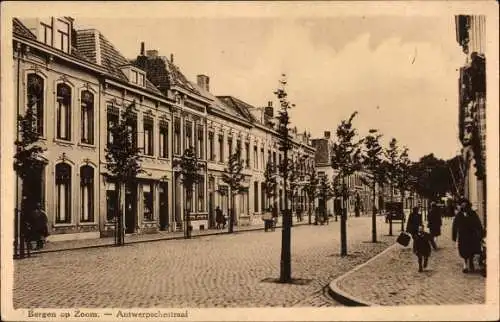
(422, 242)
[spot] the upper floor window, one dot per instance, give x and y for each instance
(211, 154)
(229, 146)
(63, 109)
(255, 158)
(35, 100)
(261, 158)
(112, 120)
(247, 154)
(132, 128)
(46, 33)
(238, 148)
(199, 141)
(62, 35)
(177, 136)
(148, 136)
(163, 139)
(87, 117)
(221, 148)
(188, 126)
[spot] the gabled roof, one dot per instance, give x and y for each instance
(239, 106)
(20, 30)
(109, 57)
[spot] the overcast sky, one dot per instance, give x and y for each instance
(399, 73)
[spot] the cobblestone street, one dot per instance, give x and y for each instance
(210, 271)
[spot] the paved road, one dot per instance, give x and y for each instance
(212, 271)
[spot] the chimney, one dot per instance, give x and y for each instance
(269, 111)
(152, 53)
(172, 58)
(142, 48)
(203, 81)
(327, 134)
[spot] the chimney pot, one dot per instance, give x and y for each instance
(142, 48)
(270, 103)
(203, 81)
(327, 134)
(172, 58)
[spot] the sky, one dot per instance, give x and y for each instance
(399, 73)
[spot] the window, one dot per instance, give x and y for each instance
(63, 112)
(199, 141)
(63, 193)
(262, 157)
(112, 118)
(134, 76)
(62, 35)
(141, 80)
(247, 154)
(188, 135)
(87, 117)
(132, 128)
(87, 193)
(147, 191)
(238, 148)
(211, 154)
(221, 148)
(201, 194)
(111, 201)
(229, 146)
(47, 33)
(35, 99)
(255, 158)
(148, 136)
(163, 139)
(256, 196)
(177, 136)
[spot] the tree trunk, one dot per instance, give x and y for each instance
(286, 262)
(403, 202)
(188, 214)
(343, 226)
(310, 205)
(231, 216)
(374, 217)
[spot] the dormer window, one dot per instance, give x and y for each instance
(55, 32)
(135, 75)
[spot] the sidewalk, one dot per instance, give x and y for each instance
(392, 278)
(142, 238)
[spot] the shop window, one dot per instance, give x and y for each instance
(111, 201)
(147, 190)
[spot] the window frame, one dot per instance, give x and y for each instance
(148, 126)
(85, 109)
(88, 181)
(64, 179)
(60, 104)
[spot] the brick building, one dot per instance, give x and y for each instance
(81, 82)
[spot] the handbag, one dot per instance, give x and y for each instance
(404, 239)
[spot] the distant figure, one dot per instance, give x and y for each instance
(219, 218)
(422, 242)
(414, 222)
(38, 230)
(468, 230)
(434, 221)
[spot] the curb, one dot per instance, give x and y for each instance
(42, 251)
(345, 298)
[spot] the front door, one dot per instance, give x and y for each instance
(130, 208)
(163, 206)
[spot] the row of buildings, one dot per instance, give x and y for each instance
(78, 82)
(471, 36)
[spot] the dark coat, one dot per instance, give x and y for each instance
(434, 222)
(219, 218)
(414, 221)
(422, 243)
(467, 227)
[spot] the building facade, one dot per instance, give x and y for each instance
(81, 82)
(471, 36)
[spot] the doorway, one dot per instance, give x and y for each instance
(164, 206)
(130, 208)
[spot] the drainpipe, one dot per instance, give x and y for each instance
(18, 241)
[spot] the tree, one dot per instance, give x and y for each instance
(27, 165)
(391, 154)
(311, 188)
(403, 176)
(346, 159)
(233, 177)
(372, 163)
(270, 182)
(285, 146)
(123, 162)
(190, 168)
(293, 183)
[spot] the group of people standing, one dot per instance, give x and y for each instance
(466, 229)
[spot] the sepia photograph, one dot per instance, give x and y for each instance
(267, 161)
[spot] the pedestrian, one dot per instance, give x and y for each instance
(38, 227)
(434, 221)
(219, 218)
(467, 229)
(422, 242)
(414, 221)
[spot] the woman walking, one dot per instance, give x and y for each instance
(467, 229)
(414, 222)
(434, 221)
